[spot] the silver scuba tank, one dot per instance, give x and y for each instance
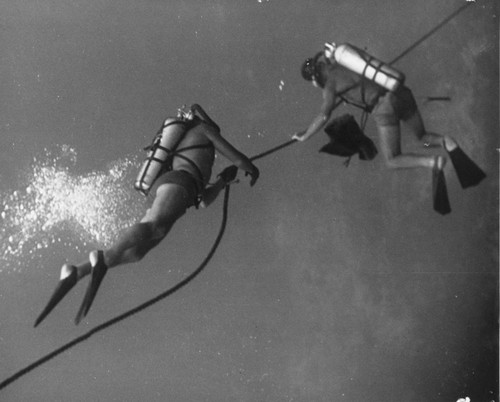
(159, 152)
(362, 63)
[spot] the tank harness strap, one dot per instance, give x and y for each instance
(167, 163)
(316, 70)
(157, 137)
(156, 145)
(363, 89)
(175, 152)
(199, 179)
(362, 105)
(363, 120)
(361, 83)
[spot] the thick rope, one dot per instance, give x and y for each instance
(272, 150)
(207, 259)
(131, 312)
(148, 303)
(422, 39)
(431, 32)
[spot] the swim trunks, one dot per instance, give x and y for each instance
(183, 179)
(395, 106)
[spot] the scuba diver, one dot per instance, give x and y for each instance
(348, 74)
(178, 168)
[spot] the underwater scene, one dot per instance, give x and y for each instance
(362, 264)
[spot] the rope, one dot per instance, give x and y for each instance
(423, 38)
(273, 150)
(148, 303)
(207, 259)
(431, 32)
(131, 312)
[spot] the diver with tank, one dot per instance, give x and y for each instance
(347, 74)
(177, 170)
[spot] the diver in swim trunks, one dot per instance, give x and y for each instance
(181, 186)
(389, 110)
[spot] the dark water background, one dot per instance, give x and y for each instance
(331, 284)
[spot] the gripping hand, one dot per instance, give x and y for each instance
(229, 174)
(254, 174)
(299, 136)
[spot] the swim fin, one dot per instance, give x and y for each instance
(63, 287)
(441, 202)
(468, 173)
(99, 269)
(346, 139)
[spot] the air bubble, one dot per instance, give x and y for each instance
(92, 207)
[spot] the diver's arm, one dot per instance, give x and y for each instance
(226, 177)
(240, 160)
(211, 192)
(322, 118)
(197, 108)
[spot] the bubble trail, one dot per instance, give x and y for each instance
(61, 207)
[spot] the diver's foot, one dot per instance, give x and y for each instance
(99, 269)
(433, 144)
(439, 163)
(441, 202)
(468, 172)
(449, 144)
(68, 279)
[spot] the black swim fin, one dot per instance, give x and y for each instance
(441, 203)
(63, 287)
(346, 139)
(468, 173)
(99, 269)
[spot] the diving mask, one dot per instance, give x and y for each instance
(185, 113)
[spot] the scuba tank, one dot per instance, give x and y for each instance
(360, 62)
(157, 159)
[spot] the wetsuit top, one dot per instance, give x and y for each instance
(352, 87)
(192, 152)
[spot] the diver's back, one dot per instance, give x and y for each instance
(197, 148)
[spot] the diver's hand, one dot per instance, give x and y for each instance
(299, 136)
(229, 174)
(195, 107)
(329, 50)
(254, 174)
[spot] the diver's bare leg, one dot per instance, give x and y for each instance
(122, 251)
(140, 238)
(169, 205)
(430, 139)
(82, 269)
(390, 144)
(134, 235)
(135, 243)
